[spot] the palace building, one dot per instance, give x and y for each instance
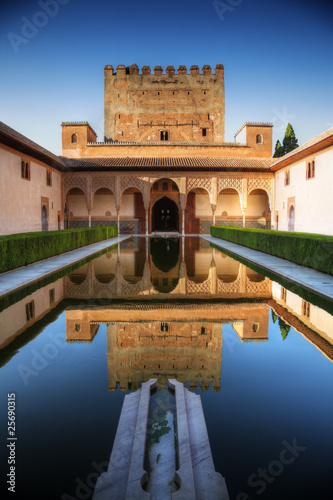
(164, 165)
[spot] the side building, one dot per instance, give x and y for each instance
(31, 185)
(303, 187)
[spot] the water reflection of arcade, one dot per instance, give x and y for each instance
(171, 270)
(174, 341)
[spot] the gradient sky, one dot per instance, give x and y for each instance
(277, 57)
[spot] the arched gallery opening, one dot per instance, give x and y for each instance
(76, 210)
(165, 213)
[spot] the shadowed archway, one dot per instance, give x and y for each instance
(165, 215)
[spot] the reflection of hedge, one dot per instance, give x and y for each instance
(306, 249)
(18, 250)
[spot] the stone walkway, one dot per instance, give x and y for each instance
(18, 278)
(308, 278)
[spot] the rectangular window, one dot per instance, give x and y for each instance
(305, 308)
(30, 310)
(25, 170)
(52, 294)
(204, 132)
(48, 178)
(310, 169)
(287, 178)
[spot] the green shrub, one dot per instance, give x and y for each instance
(18, 250)
(306, 249)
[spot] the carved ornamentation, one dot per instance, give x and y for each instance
(258, 287)
(231, 288)
(259, 183)
(229, 183)
(199, 182)
(131, 181)
(204, 287)
(103, 182)
(75, 182)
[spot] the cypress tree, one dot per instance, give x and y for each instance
(278, 150)
(290, 141)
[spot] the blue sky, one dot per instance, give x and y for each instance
(277, 58)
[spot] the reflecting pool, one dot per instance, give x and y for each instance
(259, 355)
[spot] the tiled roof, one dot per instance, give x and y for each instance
(19, 142)
(316, 144)
(180, 163)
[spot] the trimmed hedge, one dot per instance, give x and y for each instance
(17, 250)
(306, 249)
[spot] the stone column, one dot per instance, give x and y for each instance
(183, 221)
(89, 218)
(213, 211)
(213, 275)
(243, 212)
(147, 221)
(118, 220)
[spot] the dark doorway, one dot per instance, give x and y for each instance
(44, 219)
(165, 215)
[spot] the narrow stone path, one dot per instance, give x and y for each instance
(13, 280)
(306, 277)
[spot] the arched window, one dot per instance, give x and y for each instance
(259, 139)
(164, 135)
(165, 186)
(74, 139)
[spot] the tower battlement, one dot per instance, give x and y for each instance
(133, 69)
(157, 105)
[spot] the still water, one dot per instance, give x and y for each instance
(260, 356)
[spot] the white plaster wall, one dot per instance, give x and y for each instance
(13, 320)
(241, 137)
(20, 199)
(127, 205)
(78, 205)
(313, 197)
(226, 266)
(104, 203)
(106, 264)
(320, 319)
(202, 205)
(256, 205)
(202, 262)
(127, 264)
(229, 203)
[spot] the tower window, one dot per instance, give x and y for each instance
(164, 327)
(204, 132)
(164, 135)
(74, 139)
(259, 139)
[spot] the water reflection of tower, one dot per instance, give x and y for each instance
(188, 351)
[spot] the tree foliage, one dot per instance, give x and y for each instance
(289, 143)
(284, 328)
(278, 150)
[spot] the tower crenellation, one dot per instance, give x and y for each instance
(164, 105)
